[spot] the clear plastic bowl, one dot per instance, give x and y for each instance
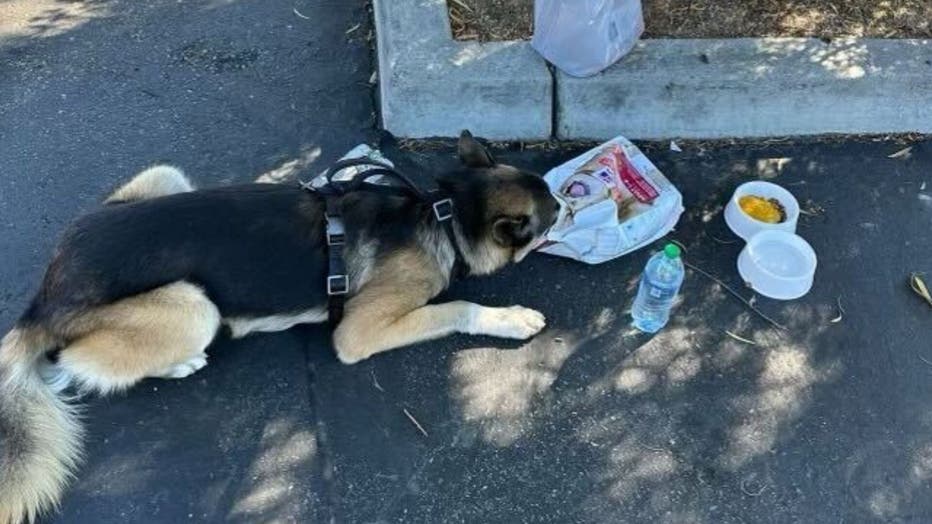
(744, 225)
(778, 264)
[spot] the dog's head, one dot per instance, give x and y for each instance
(504, 212)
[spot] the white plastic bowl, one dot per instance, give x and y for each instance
(778, 264)
(746, 226)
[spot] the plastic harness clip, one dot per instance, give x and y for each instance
(443, 209)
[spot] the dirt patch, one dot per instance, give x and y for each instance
(487, 20)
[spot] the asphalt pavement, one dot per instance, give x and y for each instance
(825, 421)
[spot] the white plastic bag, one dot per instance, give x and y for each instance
(583, 37)
(613, 200)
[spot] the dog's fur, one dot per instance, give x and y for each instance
(140, 287)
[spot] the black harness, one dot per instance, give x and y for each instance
(424, 189)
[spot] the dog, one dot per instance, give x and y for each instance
(140, 288)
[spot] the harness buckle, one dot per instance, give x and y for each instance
(336, 233)
(337, 285)
(443, 209)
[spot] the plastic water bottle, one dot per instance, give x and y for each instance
(660, 283)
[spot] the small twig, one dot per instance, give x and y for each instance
(651, 448)
(740, 338)
(749, 493)
(461, 5)
(735, 294)
(841, 311)
(414, 421)
(350, 30)
(455, 17)
(295, 10)
(812, 209)
(720, 241)
(375, 382)
(924, 360)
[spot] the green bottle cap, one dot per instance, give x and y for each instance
(671, 251)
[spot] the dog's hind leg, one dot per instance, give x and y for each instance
(153, 182)
(161, 333)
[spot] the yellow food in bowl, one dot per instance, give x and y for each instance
(767, 210)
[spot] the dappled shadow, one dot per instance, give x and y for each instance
(718, 417)
(710, 19)
(844, 58)
(632, 396)
(498, 389)
(45, 18)
(95, 91)
(226, 444)
(282, 463)
(289, 170)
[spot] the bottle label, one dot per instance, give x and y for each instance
(661, 293)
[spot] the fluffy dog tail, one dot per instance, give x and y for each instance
(40, 434)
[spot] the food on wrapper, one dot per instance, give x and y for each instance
(768, 210)
(613, 200)
(609, 174)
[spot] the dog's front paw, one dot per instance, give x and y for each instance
(516, 322)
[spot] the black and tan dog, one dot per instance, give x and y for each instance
(140, 287)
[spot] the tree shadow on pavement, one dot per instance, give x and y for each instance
(593, 422)
(95, 91)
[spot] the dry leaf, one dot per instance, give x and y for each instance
(902, 153)
(772, 167)
(675, 147)
(919, 286)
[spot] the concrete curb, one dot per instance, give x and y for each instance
(752, 87)
(431, 85)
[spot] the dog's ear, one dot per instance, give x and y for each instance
(471, 152)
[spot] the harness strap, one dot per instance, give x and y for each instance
(337, 279)
(424, 189)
